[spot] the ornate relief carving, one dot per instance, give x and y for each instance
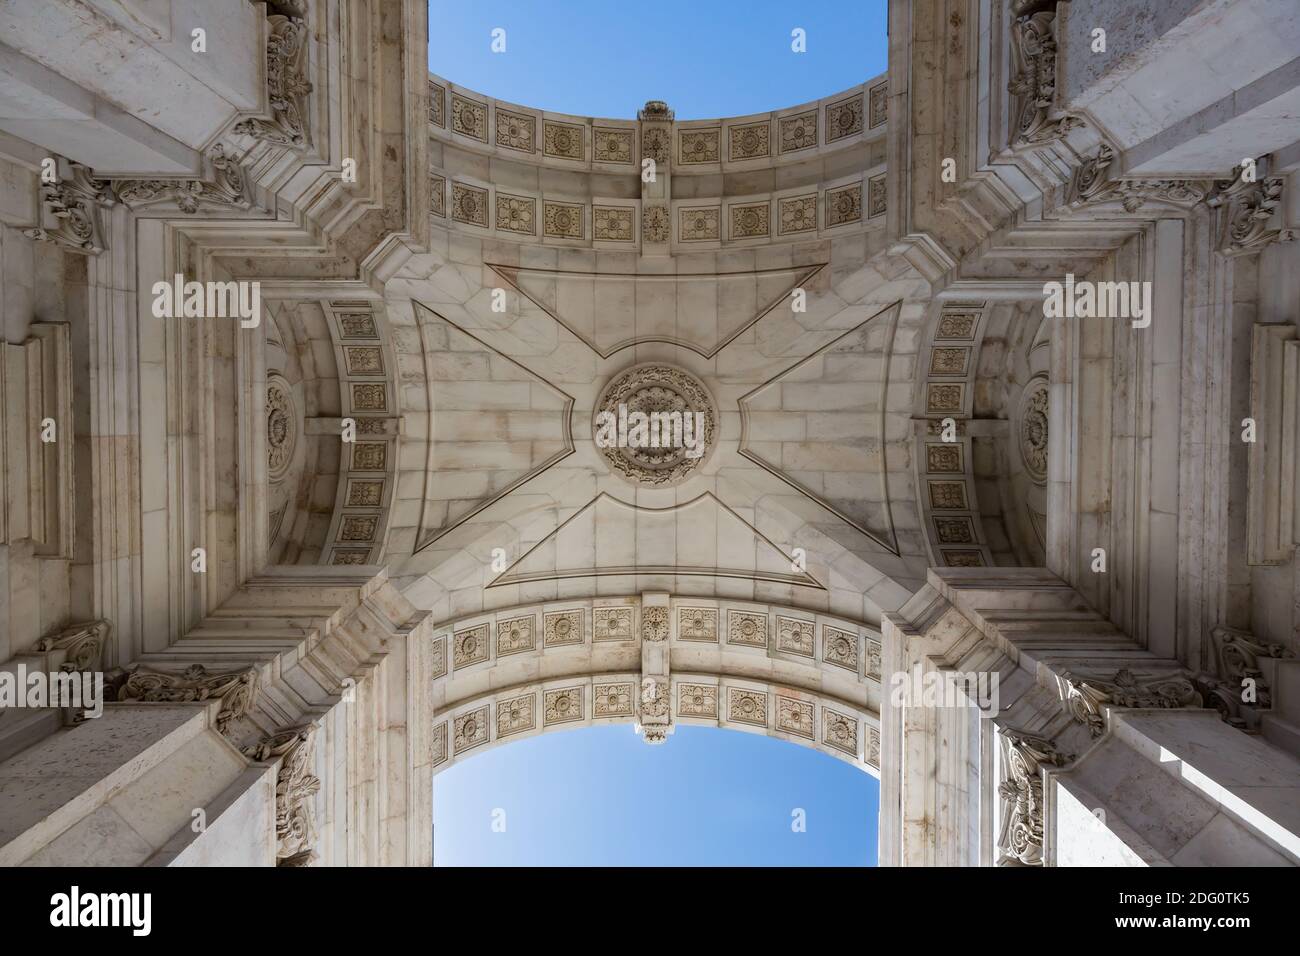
(697, 624)
(74, 203)
(358, 325)
(747, 706)
(797, 215)
(794, 716)
(286, 85)
(1033, 81)
(840, 647)
(955, 558)
(470, 646)
(751, 221)
(470, 730)
(562, 627)
(751, 141)
(747, 628)
(281, 428)
(697, 700)
(439, 744)
(798, 132)
(654, 389)
(235, 689)
(654, 624)
(369, 398)
(438, 195)
(516, 715)
(957, 325)
(516, 130)
(1091, 186)
(469, 204)
(438, 658)
(1238, 655)
(1033, 428)
(947, 495)
(942, 398)
(949, 360)
(516, 635)
(844, 118)
(873, 747)
(655, 223)
(437, 105)
(563, 220)
(612, 623)
(700, 146)
(358, 527)
(562, 140)
(655, 716)
(228, 188)
(954, 530)
(82, 644)
(612, 223)
(873, 659)
(469, 118)
(699, 224)
(844, 205)
(562, 706)
(369, 456)
(794, 636)
(654, 145)
(612, 145)
(1251, 211)
(295, 788)
(879, 104)
(1021, 789)
(1085, 696)
(840, 731)
(876, 192)
(943, 458)
(612, 700)
(517, 214)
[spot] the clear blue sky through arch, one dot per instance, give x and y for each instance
(600, 795)
(705, 58)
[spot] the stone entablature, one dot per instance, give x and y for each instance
(782, 173)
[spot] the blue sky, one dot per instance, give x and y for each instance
(706, 58)
(600, 795)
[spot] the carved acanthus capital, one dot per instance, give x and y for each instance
(82, 644)
(287, 85)
(295, 786)
(227, 188)
(73, 206)
(1252, 213)
(1023, 758)
(235, 689)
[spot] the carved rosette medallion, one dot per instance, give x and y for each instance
(281, 427)
(1033, 429)
(668, 396)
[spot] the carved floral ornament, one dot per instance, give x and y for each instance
(73, 205)
(655, 389)
(235, 689)
(82, 644)
(1033, 431)
(1033, 78)
(1085, 698)
(1024, 756)
(295, 786)
(286, 82)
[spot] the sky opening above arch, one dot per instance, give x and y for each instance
(705, 58)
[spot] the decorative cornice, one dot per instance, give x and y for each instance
(1252, 212)
(287, 85)
(74, 203)
(235, 689)
(228, 188)
(1024, 756)
(295, 785)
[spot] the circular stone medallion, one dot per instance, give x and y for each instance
(681, 424)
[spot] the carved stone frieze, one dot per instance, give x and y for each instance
(1021, 790)
(295, 786)
(73, 204)
(287, 85)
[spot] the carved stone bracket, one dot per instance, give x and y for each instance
(1085, 697)
(1252, 213)
(295, 785)
(73, 204)
(235, 689)
(82, 644)
(287, 85)
(1238, 655)
(1021, 789)
(228, 188)
(1092, 186)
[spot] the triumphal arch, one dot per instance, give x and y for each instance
(318, 370)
